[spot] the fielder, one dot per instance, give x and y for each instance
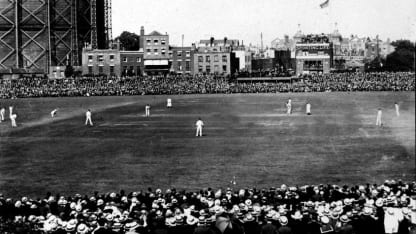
(378, 120)
(199, 124)
(13, 120)
(147, 110)
(396, 105)
(2, 113)
(308, 108)
(289, 106)
(169, 103)
(88, 118)
(54, 112)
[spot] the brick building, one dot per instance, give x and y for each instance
(182, 59)
(100, 62)
(156, 52)
(132, 63)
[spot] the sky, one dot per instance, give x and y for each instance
(247, 19)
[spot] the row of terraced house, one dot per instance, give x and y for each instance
(229, 56)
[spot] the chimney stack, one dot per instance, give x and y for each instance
(142, 31)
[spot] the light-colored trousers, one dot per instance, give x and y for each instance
(198, 131)
(88, 120)
(378, 121)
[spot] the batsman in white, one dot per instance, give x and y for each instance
(88, 118)
(308, 109)
(289, 106)
(378, 120)
(12, 117)
(147, 110)
(396, 105)
(54, 112)
(2, 113)
(169, 103)
(199, 124)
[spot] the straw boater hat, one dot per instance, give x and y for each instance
(344, 219)
(191, 220)
(82, 229)
(325, 219)
(70, 226)
(283, 220)
(132, 225)
(249, 217)
(390, 211)
(201, 221)
(367, 211)
(297, 215)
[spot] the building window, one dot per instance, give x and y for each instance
(179, 66)
(138, 59)
(100, 69)
(163, 51)
(125, 69)
(208, 69)
(207, 58)
(163, 42)
(216, 69)
(188, 65)
(90, 58)
(216, 59)
(156, 42)
(200, 69)
(90, 70)
(155, 50)
(188, 53)
(148, 50)
(200, 59)
(224, 68)
(138, 70)
(179, 53)
(224, 58)
(148, 41)
(112, 70)
(100, 58)
(112, 57)
(124, 59)
(131, 69)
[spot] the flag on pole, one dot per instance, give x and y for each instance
(324, 4)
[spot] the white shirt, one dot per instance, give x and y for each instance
(88, 114)
(147, 107)
(199, 123)
(379, 113)
(13, 117)
(308, 108)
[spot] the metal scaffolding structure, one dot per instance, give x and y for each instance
(38, 34)
(108, 21)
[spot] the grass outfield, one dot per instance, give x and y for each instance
(247, 136)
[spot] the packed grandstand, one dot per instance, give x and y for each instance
(386, 208)
(200, 84)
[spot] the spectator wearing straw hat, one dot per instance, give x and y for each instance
(284, 228)
(346, 227)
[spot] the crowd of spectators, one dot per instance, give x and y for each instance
(362, 209)
(200, 84)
